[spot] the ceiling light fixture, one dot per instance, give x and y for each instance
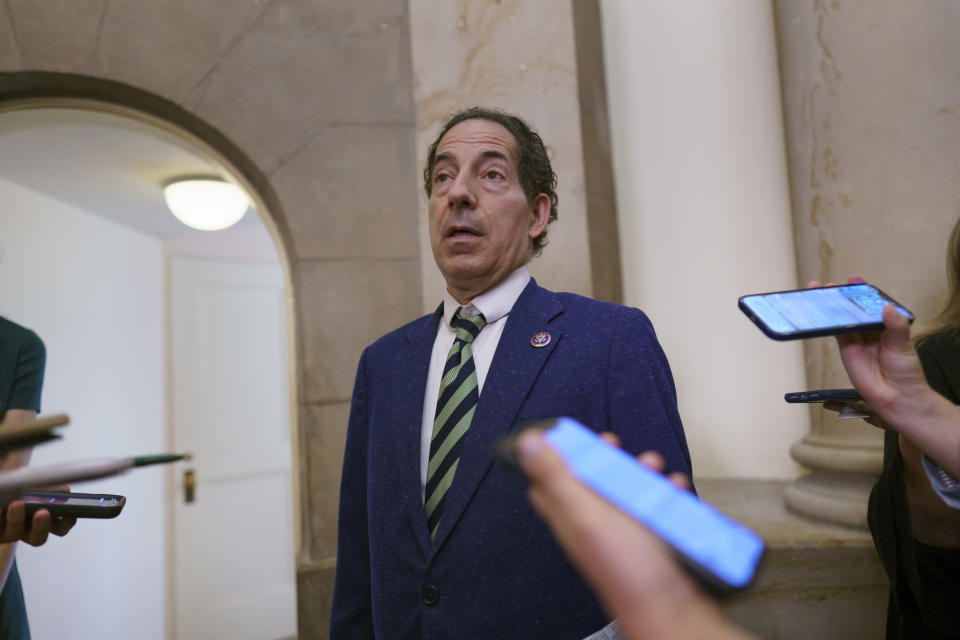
(207, 203)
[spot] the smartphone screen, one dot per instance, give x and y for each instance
(720, 552)
(74, 501)
(804, 313)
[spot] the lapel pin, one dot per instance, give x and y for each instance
(541, 339)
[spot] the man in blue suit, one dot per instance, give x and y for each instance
(435, 539)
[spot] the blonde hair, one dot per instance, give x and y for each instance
(948, 320)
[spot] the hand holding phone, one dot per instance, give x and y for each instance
(18, 523)
(819, 311)
(719, 552)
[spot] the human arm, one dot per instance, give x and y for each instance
(632, 572)
(13, 522)
(25, 355)
(642, 398)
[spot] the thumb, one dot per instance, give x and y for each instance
(539, 461)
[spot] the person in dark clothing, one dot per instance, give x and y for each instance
(915, 529)
(22, 359)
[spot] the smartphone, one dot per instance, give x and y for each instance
(719, 552)
(75, 505)
(823, 311)
(823, 395)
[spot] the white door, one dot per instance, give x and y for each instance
(233, 555)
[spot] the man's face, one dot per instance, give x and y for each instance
(481, 224)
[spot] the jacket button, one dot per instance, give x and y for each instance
(430, 595)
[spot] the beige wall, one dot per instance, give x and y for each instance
(310, 102)
(704, 217)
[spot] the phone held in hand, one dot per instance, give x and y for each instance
(823, 395)
(719, 552)
(74, 505)
(822, 311)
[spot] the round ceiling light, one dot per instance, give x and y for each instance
(205, 202)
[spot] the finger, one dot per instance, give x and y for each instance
(554, 492)
(680, 479)
(62, 526)
(856, 279)
(14, 521)
(878, 422)
(813, 284)
(652, 460)
(861, 405)
(39, 528)
(897, 334)
(538, 460)
(611, 438)
(834, 405)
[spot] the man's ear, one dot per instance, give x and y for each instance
(539, 215)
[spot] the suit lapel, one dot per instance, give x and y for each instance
(513, 371)
(412, 367)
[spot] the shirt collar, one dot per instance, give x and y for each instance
(494, 303)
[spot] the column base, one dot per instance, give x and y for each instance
(838, 486)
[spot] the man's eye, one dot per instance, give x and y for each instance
(493, 175)
(442, 177)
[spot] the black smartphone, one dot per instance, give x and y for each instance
(823, 395)
(74, 505)
(823, 311)
(719, 552)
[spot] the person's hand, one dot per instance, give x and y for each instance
(14, 525)
(632, 571)
(862, 406)
(886, 370)
(883, 366)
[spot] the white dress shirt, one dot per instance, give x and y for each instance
(495, 305)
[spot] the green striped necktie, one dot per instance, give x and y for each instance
(456, 404)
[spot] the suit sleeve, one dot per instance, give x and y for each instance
(642, 399)
(351, 616)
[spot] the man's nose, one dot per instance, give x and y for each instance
(461, 192)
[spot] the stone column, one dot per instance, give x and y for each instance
(704, 213)
(872, 108)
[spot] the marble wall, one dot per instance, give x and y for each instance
(872, 111)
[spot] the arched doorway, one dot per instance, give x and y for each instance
(173, 340)
(352, 250)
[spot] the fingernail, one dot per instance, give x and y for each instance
(529, 446)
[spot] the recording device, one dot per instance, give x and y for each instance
(822, 311)
(719, 552)
(823, 395)
(74, 505)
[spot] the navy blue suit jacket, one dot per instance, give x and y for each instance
(493, 571)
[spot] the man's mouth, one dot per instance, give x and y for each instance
(462, 232)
